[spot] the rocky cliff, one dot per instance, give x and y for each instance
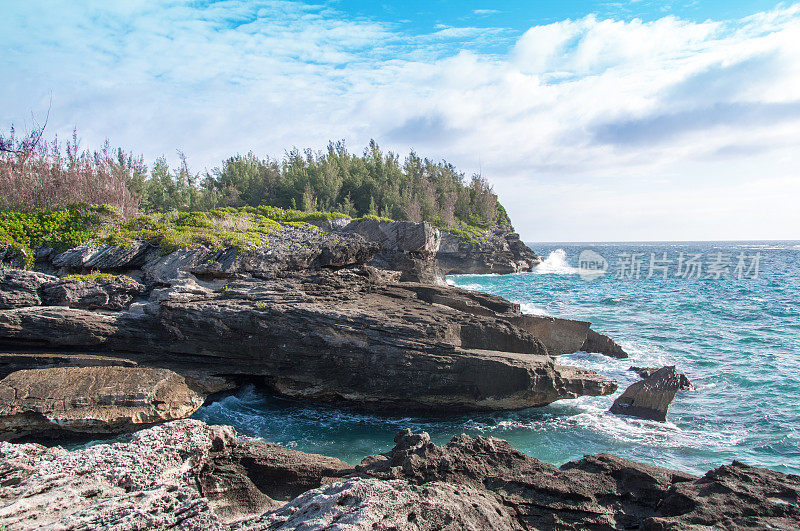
(307, 315)
(493, 251)
(188, 475)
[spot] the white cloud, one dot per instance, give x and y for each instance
(583, 120)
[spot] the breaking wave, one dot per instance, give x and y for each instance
(556, 264)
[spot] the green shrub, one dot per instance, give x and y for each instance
(60, 229)
(94, 276)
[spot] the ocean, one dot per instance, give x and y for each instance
(725, 313)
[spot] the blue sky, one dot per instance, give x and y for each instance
(594, 120)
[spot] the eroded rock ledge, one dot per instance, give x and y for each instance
(188, 475)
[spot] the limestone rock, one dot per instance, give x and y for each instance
(596, 492)
(399, 236)
(114, 294)
(91, 400)
(20, 288)
(649, 398)
(329, 335)
(647, 372)
(367, 504)
(187, 475)
(496, 251)
(104, 257)
(146, 483)
(560, 336)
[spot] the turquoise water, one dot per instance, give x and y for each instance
(738, 340)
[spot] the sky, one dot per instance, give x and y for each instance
(594, 121)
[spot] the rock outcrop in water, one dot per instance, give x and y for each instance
(647, 372)
(191, 476)
(649, 398)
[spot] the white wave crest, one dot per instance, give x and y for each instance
(556, 264)
(531, 309)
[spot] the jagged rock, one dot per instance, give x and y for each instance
(104, 257)
(20, 288)
(146, 483)
(650, 398)
(596, 492)
(399, 236)
(114, 294)
(188, 475)
(91, 400)
(329, 335)
(735, 496)
(251, 477)
(602, 345)
(367, 504)
(403, 246)
(647, 372)
(289, 250)
(494, 252)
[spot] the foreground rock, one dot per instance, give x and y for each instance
(650, 398)
(596, 492)
(188, 475)
(91, 400)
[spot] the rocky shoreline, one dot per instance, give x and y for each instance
(353, 313)
(102, 340)
(189, 475)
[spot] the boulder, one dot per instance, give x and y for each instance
(647, 372)
(649, 398)
(115, 293)
(399, 236)
(601, 344)
(20, 288)
(98, 399)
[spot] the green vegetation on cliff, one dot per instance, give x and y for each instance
(37, 175)
(217, 229)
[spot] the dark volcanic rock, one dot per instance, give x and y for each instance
(496, 252)
(602, 345)
(365, 504)
(91, 400)
(114, 294)
(647, 372)
(104, 257)
(188, 475)
(650, 398)
(328, 335)
(596, 492)
(20, 288)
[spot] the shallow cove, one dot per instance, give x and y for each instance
(738, 341)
